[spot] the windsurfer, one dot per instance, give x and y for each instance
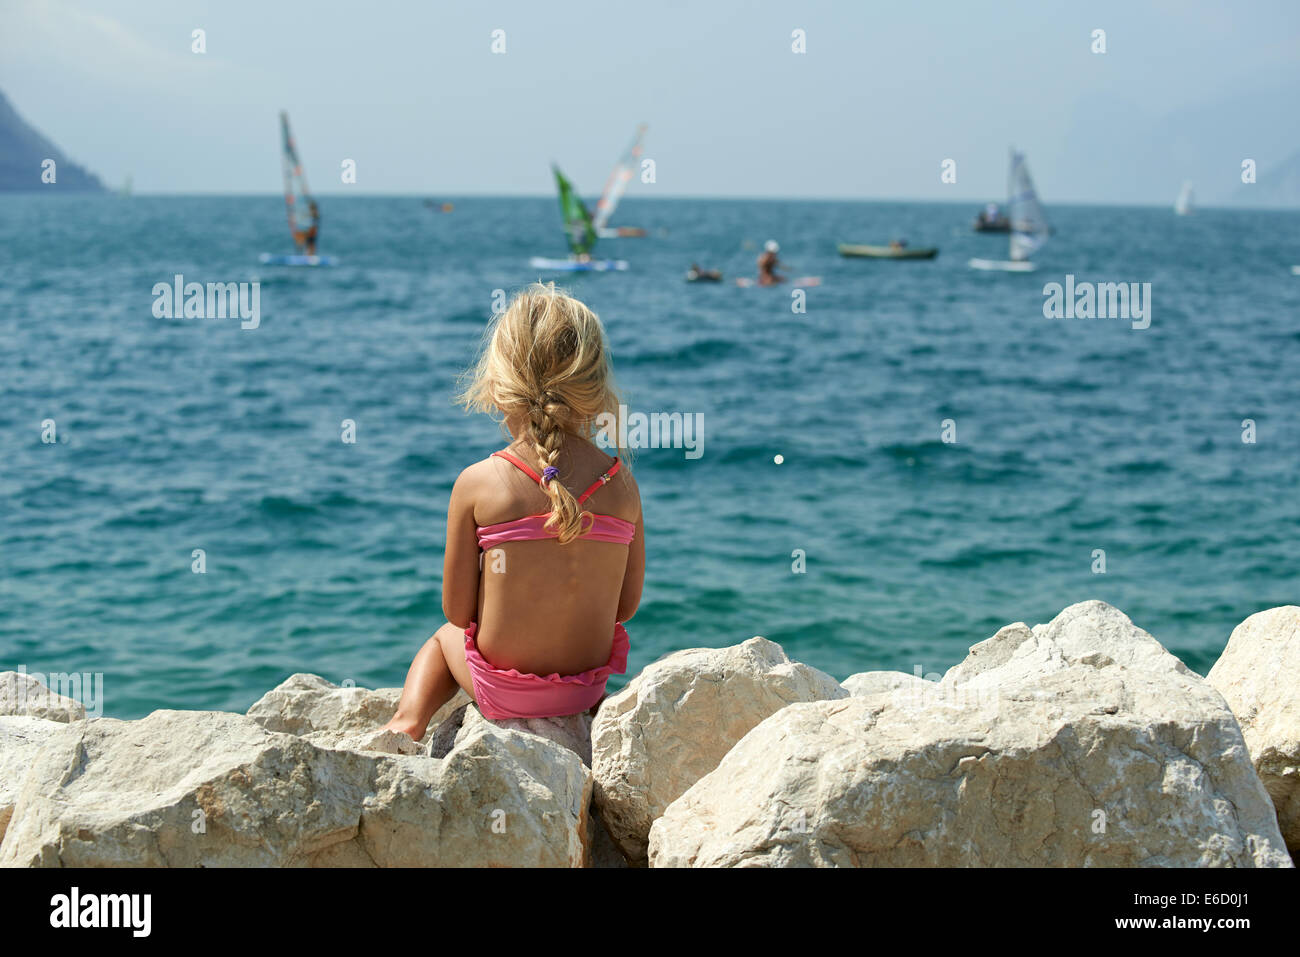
(306, 238)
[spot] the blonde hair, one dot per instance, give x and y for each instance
(546, 361)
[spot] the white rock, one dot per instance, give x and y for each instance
(186, 788)
(385, 742)
(21, 694)
(1075, 743)
(308, 705)
(1091, 632)
(1258, 674)
(571, 731)
(674, 722)
(21, 740)
(867, 683)
(503, 799)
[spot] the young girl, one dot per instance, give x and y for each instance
(545, 546)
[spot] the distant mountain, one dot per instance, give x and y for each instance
(1118, 146)
(1275, 186)
(23, 149)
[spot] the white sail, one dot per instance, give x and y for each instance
(1028, 222)
(1183, 205)
(618, 179)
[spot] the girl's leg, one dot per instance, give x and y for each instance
(430, 683)
(453, 652)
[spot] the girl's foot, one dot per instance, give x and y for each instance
(402, 726)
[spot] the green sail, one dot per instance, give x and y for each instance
(577, 221)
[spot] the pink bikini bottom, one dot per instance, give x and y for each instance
(510, 694)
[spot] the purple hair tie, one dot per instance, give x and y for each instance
(549, 473)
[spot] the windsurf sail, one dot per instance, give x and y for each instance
(1183, 205)
(577, 220)
(1028, 222)
(622, 174)
(297, 197)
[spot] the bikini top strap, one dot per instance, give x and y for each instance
(521, 465)
(527, 470)
(609, 474)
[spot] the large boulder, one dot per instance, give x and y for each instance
(1258, 674)
(674, 722)
(195, 788)
(572, 732)
(501, 798)
(21, 740)
(1078, 743)
(23, 694)
(332, 715)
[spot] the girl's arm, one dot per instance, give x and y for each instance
(460, 564)
(629, 599)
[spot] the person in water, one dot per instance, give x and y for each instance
(306, 238)
(767, 263)
(565, 518)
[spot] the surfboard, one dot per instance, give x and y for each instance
(273, 259)
(577, 265)
(1003, 265)
(745, 282)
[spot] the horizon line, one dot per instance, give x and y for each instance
(345, 194)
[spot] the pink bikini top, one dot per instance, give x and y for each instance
(603, 528)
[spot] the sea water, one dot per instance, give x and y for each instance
(182, 512)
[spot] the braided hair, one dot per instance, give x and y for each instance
(546, 362)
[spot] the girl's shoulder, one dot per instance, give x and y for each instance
(484, 491)
(475, 480)
(476, 474)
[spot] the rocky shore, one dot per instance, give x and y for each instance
(1080, 742)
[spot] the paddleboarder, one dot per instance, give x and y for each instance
(767, 263)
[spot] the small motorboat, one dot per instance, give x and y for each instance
(991, 219)
(696, 274)
(891, 251)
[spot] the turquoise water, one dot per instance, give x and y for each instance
(1072, 435)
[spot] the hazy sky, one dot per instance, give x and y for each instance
(886, 91)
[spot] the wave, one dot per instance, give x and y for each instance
(978, 556)
(699, 353)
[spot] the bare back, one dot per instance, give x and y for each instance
(543, 607)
